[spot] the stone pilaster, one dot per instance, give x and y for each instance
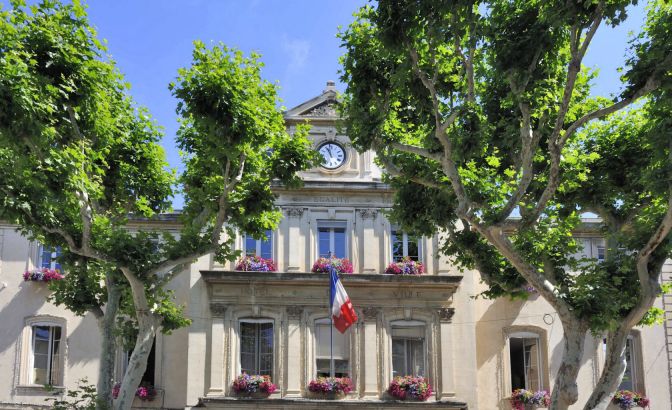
(294, 351)
(295, 240)
(370, 254)
(217, 346)
(369, 354)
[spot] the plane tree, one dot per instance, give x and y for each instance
(80, 161)
(481, 114)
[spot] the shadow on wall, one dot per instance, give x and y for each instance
(501, 313)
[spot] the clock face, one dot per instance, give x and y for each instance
(333, 155)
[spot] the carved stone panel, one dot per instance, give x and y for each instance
(294, 312)
(368, 213)
(326, 109)
(218, 309)
(446, 314)
(294, 212)
(370, 312)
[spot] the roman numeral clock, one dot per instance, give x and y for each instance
(333, 155)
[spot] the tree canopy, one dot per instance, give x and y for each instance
(81, 164)
(483, 111)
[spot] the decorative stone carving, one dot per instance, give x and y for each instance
(218, 309)
(326, 109)
(367, 213)
(294, 312)
(294, 212)
(446, 314)
(370, 312)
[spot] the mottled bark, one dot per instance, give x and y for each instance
(106, 323)
(566, 390)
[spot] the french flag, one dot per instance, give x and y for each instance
(341, 309)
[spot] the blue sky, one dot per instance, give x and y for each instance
(151, 39)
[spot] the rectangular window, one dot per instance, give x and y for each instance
(256, 348)
(405, 245)
(331, 239)
(525, 362)
(408, 349)
(46, 355)
(49, 257)
(323, 350)
(263, 248)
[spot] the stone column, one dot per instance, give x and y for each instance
(369, 250)
(294, 240)
(294, 352)
(446, 387)
(217, 349)
(369, 355)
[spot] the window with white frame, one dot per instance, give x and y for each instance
(148, 377)
(408, 348)
(256, 347)
(593, 248)
(260, 247)
(325, 338)
(631, 378)
(48, 257)
(525, 361)
(46, 355)
(331, 239)
(405, 246)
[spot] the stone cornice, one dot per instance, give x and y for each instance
(355, 279)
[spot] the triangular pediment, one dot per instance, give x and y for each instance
(324, 106)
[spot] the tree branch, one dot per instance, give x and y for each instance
(412, 149)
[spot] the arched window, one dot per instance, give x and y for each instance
(256, 346)
(325, 338)
(408, 348)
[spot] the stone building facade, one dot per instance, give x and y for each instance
(473, 351)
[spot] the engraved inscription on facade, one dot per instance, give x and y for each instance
(331, 199)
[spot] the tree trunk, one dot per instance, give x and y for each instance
(147, 325)
(565, 390)
(108, 347)
(612, 373)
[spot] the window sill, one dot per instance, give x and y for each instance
(41, 389)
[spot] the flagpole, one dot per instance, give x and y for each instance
(331, 322)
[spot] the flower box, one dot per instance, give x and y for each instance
(522, 399)
(330, 388)
(145, 392)
(42, 275)
(410, 388)
(406, 266)
(323, 265)
(256, 264)
(253, 386)
(626, 399)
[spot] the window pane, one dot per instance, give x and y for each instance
(417, 357)
(413, 248)
(397, 246)
(399, 357)
(250, 246)
(267, 246)
(628, 382)
(323, 238)
(531, 364)
(339, 242)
